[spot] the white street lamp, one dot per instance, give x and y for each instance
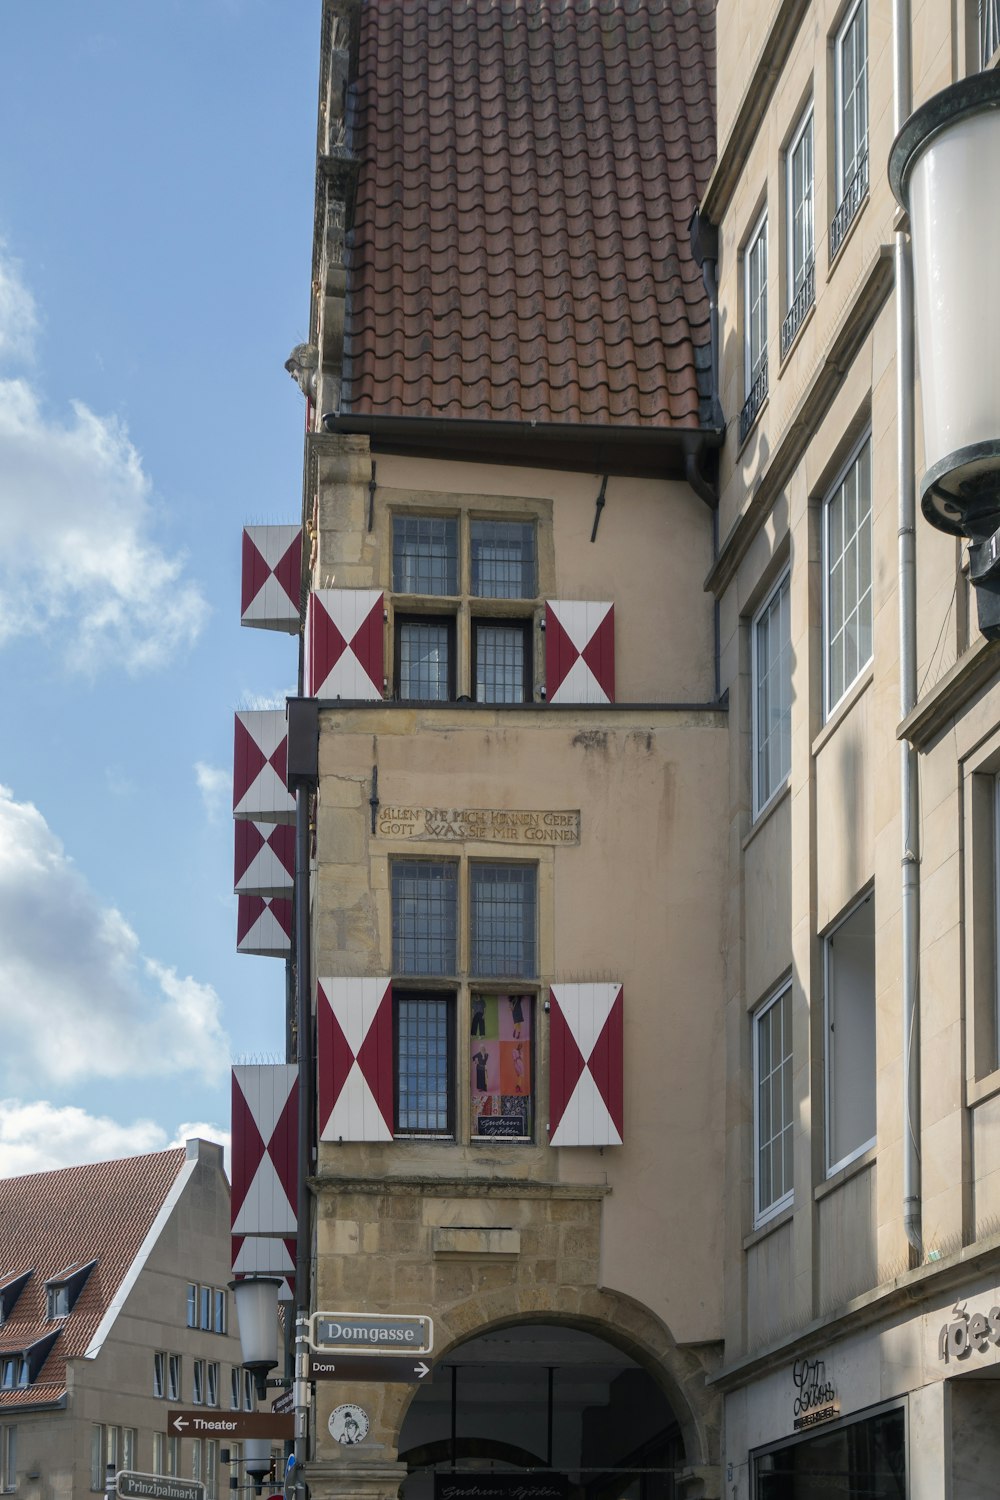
(943, 168)
(256, 1300)
(257, 1460)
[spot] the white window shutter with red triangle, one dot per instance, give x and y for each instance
(272, 577)
(586, 1075)
(265, 858)
(260, 760)
(579, 651)
(264, 926)
(345, 634)
(355, 1059)
(265, 1126)
(253, 1255)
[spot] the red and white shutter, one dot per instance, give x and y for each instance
(255, 1256)
(260, 758)
(265, 1125)
(344, 643)
(586, 1081)
(265, 858)
(264, 926)
(272, 577)
(355, 1062)
(579, 652)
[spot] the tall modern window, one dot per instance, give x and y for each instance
(503, 921)
(851, 123)
(848, 576)
(773, 1117)
(754, 324)
(503, 559)
(849, 952)
(799, 175)
(424, 917)
(425, 554)
(772, 694)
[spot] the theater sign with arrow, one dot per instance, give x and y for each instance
(234, 1424)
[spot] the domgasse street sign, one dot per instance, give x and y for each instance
(364, 1333)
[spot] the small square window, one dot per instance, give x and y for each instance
(503, 559)
(503, 921)
(501, 661)
(424, 917)
(57, 1298)
(425, 555)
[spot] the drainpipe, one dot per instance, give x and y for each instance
(909, 791)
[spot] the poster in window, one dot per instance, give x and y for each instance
(500, 1071)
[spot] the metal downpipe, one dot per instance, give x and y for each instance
(303, 1016)
(909, 790)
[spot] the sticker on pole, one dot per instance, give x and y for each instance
(348, 1424)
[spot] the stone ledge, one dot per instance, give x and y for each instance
(465, 1241)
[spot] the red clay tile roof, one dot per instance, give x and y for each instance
(51, 1220)
(527, 172)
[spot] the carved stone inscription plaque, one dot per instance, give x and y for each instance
(486, 824)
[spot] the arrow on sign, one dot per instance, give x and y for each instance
(179, 1424)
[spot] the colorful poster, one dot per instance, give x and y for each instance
(500, 1071)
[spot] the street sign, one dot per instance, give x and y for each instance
(131, 1485)
(233, 1424)
(372, 1333)
(284, 1403)
(388, 1367)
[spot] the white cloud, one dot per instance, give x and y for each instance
(78, 999)
(39, 1137)
(76, 550)
(216, 788)
(258, 702)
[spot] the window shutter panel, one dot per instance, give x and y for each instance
(579, 651)
(265, 858)
(264, 926)
(344, 644)
(586, 1075)
(265, 1126)
(260, 757)
(355, 1059)
(272, 577)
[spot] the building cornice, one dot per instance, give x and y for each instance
(762, 78)
(441, 1186)
(973, 671)
(876, 284)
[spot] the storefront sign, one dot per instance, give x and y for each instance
(967, 1332)
(485, 825)
(500, 1486)
(816, 1401)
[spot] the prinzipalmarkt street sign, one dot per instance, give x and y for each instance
(372, 1333)
(232, 1424)
(131, 1485)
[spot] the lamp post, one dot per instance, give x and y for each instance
(942, 170)
(256, 1300)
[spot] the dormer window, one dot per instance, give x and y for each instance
(20, 1367)
(62, 1291)
(10, 1290)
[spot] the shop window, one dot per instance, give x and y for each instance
(424, 917)
(425, 658)
(850, 1036)
(851, 120)
(425, 1028)
(501, 1075)
(773, 1118)
(772, 694)
(848, 576)
(866, 1457)
(502, 906)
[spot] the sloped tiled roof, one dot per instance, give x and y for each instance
(527, 171)
(52, 1220)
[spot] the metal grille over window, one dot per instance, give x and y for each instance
(503, 921)
(424, 1026)
(801, 258)
(424, 665)
(500, 663)
(503, 560)
(424, 918)
(425, 555)
(754, 401)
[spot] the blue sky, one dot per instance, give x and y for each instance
(156, 188)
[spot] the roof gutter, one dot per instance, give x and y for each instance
(649, 451)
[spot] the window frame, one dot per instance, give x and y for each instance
(501, 622)
(476, 869)
(761, 803)
(763, 1214)
(830, 703)
(159, 1374)
(751, 370)
(806, 123)
(220, 1310)
(450, 520)
(192, 1304)
(198, 1382)
(407, 970)
(841, 181)
(212, 1375)
(402, 995)
(174, 1377)
(411, 618)
(528, 526)
(833, 1166)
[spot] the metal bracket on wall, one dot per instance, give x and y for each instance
(373, 801)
